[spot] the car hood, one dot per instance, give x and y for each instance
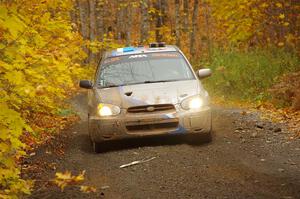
(152, 93)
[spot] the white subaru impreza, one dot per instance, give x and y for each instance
(146, 91)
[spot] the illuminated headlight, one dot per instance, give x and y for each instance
(108, 110)
(193, 102)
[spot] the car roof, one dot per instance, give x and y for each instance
(139, 50)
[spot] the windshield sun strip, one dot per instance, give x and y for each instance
(137, 83)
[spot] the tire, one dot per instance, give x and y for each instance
(96, 147)
(207, 137)
(201, 138)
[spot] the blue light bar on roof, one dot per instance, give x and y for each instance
(126, 49)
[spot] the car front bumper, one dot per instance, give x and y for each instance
(150, 124)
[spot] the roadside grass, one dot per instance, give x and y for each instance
(247, 79)
(248, 75)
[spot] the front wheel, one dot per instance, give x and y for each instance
(202, 138)
(97, 148)
(207, 137)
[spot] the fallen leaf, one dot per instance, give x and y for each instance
(87, 189)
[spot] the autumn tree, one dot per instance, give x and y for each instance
(39, 61)
(177, 22)
(145, 21)
(194, 28)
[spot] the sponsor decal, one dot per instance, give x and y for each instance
(165, 55)
(137, 56)
(150, 109)
(110, 60)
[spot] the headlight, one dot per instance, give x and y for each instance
(193, 102)
(108, 110)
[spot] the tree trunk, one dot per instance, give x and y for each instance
(84, 22)
(186, 15)
(295, 25)
(144, 21)
(120, 21)
(75, 15)
(194, 29)
(164, 6)
(84, 18)
(208, 30)
(158, 20)
(160, 7)
(177, 22)
(128, 27)
(92, 5)
(100, 20)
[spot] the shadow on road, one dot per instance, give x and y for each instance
(134, 143)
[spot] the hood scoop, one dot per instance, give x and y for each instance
(128, 93)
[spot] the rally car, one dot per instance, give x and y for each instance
(146, 91)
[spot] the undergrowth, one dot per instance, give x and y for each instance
(248, 75)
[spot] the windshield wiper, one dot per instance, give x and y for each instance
(144, 82)
(109, 86)
(149, 82)
(116, 85)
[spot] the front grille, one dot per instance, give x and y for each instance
(151, 127)
(151, 108)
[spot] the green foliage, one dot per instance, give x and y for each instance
(39, 56)
(248, 75)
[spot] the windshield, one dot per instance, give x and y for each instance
(144, 68)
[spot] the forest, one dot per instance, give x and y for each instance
(46, 46)
(259, 40)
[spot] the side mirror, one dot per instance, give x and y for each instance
(203, 73)
(86, 84)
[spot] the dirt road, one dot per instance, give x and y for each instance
(248, 158)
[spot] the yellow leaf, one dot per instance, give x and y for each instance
(64, 179)
(280, 44)
(87, 189)
(80, 177)
(279, 5)
(63, 176)
(281, 16)
(264, 5)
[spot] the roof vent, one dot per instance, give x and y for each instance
(157, 45)
(161, 44)
(153, 45)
